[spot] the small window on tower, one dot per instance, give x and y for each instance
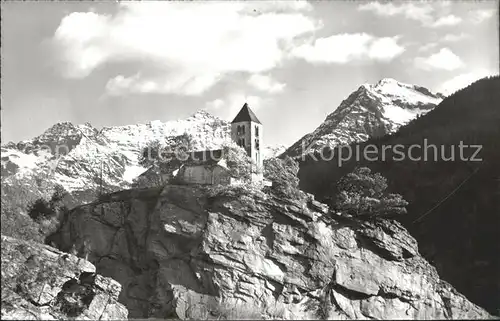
(242, 129)
(257, 144)
(256, 130)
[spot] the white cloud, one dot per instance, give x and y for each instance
(191, 45)
(481, 15)
(229, 106)
(264, 6)
(454, 37)
(445, 59)
(181, 83)
(423, 12)
(266, 83)
(415, 11)
(444, 4)
(215, 104)
(385, 49)
(452, 85)
(449, 20)
(344, 48)
(428, 46)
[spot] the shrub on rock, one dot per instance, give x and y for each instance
(363, 193)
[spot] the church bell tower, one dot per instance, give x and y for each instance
(247, 132)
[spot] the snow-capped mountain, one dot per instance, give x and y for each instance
(273, 151)
(80, 157)
(370, 111)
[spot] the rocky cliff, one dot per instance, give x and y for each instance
(372, 110)
(42, 283)
(178, 252)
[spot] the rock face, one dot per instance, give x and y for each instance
(42, 283)
(179, 253)
(370, 111)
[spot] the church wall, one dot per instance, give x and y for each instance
(204, 175)
(195, 175)
(220, 176)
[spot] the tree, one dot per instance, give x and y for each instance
(283, 174)
(158, 151)
(150, 153)
(364, 193)
(41, 209)
(59, 194)
(99, 178)
(239, 164)
(162, 158)
(85, 248)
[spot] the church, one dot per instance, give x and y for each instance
(209, 167)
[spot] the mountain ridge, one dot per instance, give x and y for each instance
(370, 111)
(78, 151)
(74, 155)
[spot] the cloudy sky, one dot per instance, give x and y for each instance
(293, 62)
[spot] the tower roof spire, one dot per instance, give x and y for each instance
(246, 114)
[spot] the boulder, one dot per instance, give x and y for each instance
(42, 283)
